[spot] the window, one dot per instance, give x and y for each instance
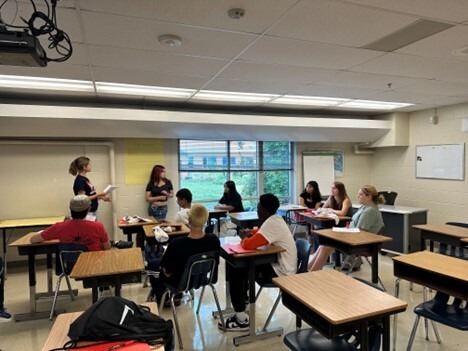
(255, 167)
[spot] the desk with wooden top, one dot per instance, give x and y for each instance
(464, 242)
(26, 248)
(25, 223)
(362, 243)
(439, 272)
(184, 230)
(245, 219)
(129, 229)
(58, 335)
(264, 255)
(323, 221)
(108, 267)
(333, 303)
(442, 233)
(284, 209)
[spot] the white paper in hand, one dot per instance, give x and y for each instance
(345, 230)
(109, 189)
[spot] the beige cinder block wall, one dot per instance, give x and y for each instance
(394, 168)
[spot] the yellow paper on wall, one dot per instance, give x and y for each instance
(140, 157)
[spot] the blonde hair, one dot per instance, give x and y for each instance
(370, 190)
(198, 215)
(77, 165)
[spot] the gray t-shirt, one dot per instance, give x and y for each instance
(368, 219)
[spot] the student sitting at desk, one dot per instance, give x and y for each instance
(274, 230)
(231, 201)
(179, 251)
(311, 197)
(367, 218)
(184, 200)
(77, 230)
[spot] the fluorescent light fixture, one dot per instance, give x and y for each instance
(211, 95)
(143, 90)
(308, 100)
(373, 105)
(25, 82)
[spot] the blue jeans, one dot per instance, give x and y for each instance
(2, 271)
(159, 212)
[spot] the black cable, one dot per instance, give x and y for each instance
(46, 24)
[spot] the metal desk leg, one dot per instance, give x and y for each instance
(386, 334)
(4, 254)
(395, 317)
(375, 266)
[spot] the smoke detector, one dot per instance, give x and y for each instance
(170, 40)
(236, 13)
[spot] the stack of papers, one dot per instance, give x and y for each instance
(236, 249)
(346, 230)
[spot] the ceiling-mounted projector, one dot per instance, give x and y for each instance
(21, 49)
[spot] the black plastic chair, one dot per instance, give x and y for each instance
(200, 270)
(390, 197)
(65, 258)
(443, 248)
(303, 250)
(309, 339)
(351, 261)
(440, 311)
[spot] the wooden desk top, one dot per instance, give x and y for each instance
(445, 229)
(30, 222)
(437, 263)
(58, 335)
(183, 231)
(107, 262)
(26, 241)
(244, 216)
(353, 239)
(264, 250)
(337, 297)
(464, 241)
(152, 221)
(217, 210)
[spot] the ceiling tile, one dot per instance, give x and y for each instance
(446, 10)
(438, 88)
(367, 80)
(139, 77)
(268, 72)
(409, 66)
(338, 23)
(259, 14)
(302, 53)
(154, 61)
(251, 87)
(127, 32)
(440, 45)
(418, 98)
(53, 70)
(335, 91)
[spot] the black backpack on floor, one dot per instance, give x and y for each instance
(118, 319)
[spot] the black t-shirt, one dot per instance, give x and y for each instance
(308, 201)
(157, 190)
(83, 184)
(179, 251)
(233, 200)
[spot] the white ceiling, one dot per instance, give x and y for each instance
(298, 47)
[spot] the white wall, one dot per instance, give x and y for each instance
(394, 168)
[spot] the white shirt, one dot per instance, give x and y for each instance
(276, 231)
(182, 216)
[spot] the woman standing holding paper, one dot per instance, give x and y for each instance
(367, 218)
(82, 185)
(158, 190)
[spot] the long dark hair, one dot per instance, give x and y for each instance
(155, 176)
(231, 186)
(342, 195)
(315, 196)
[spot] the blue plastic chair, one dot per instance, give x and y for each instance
(440, 311)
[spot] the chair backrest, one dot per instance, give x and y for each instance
(303, 251)
(390, 197)
(66, 257)
(200, 270)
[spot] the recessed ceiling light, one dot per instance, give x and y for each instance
(170, 40)
(373, 105)
(308, 100)
(232, 96)
(25, 82)
(143, 90)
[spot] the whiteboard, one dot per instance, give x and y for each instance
(319, 167)
(440, 161)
